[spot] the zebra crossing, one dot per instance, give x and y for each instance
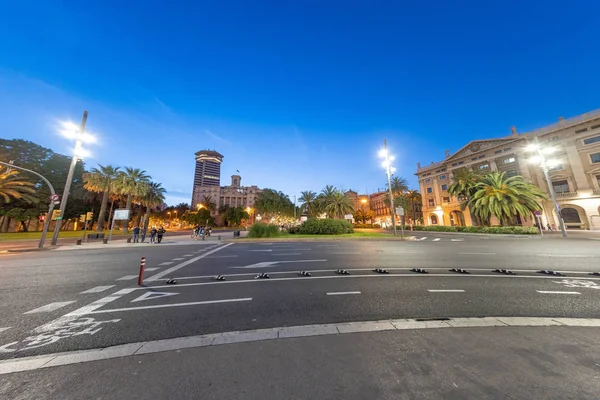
(435, 239)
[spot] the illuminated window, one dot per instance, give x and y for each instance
(508, 160)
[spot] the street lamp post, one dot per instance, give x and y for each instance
(65, 196)
(544, 164)
(386, 163)
(50, 207)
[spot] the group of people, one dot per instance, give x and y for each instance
(156, 235)
(200, 231)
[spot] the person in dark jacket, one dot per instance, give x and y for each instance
(153, 233)
(136, 234)
(161, 231)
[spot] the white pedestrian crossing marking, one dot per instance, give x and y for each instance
(422, 238)
(127, 277)
(50, 307)
(166, 263)
(457, 240)
(97, 289)
(4, 329)
(178, 259)
(436, 239)
(187, 255)
(150, 269)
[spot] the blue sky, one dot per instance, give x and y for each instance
(296, 95)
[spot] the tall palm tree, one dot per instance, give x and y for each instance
(399, 185)
(505, 198)
(339, 205)
(208, 203)
(414, 198)
(325, 198)
(12, 187)
(463, 188)
(101, 181)
(155, 196)
(132, 183)
(308, 198)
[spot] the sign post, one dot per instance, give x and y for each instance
(538, 217)
(400, 212)
(118, 215)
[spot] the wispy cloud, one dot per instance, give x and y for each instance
(216, 137)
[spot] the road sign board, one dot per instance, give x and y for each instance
(54, 197)
(537, 213)
(348, 216)
(121, 215)
(400, 211)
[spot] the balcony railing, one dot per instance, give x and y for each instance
(566, 194)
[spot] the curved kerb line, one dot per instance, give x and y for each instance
(157, 346)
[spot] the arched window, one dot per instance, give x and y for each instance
(570, 216)
(434, 219)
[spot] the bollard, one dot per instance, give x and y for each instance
(141, 274)
(78, 242)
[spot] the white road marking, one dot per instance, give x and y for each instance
(127, 278)
(50, 307)
(555, 292)
(479, 254)
(152, 296)
(328, 245)
(150, 269)
(187, 255)
(445, 290)
(340, 293)
(346, 252)
(4, 329)
(286, 254)
(565, 255)
(194, 303)
(436, 239)
(229, 256)
(267, 264)
(178, 259)
(457, 240)
(97, 289)
(422, 238)
(263, 250)
(166, 263)
(183, 264)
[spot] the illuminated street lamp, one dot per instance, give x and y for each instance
(72, 131)
(541, 160)
(387, 159)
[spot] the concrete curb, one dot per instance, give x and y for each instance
(157, 346)
(320, 239)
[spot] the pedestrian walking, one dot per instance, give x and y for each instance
(143, 235)
(153, 233)
(549, 227)
(161, 231)
(136, 234)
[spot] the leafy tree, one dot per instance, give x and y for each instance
(339, 205)
(270, 203)
(153, 198)
(309, 201)
(504, 197)
(101, 180)
(233, 216)
(132, 183)
(14, 187)
(208, 204)
(414, 198)
(360, 216)
(399, 185)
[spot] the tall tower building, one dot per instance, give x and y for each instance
(208, 169)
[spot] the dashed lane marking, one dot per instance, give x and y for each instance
(127, 277)
(50, 307)
(566, 255)
(479, 254)
(187, 255)
(436, 239)
(178, 259)
(346, 252)
(445, 290)
(166, 263)
(97, 289)
(555, 292)
(286, 254)
(263, 250)
(457, 240)
(422, 238)
(229, 256)
(151, 269)
(341, 293)
(194, 303)
(4, 329)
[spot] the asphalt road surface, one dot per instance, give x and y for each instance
(70, 300)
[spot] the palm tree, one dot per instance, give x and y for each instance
(360, 216)
(505, 198)
(463, 188)
(154, 197)
(133, 183)
(399, 185)
(325, 198)
(101, 181)
(414, 198)
(208, 203)
(339, 205)
(309, 201)
(12, 187)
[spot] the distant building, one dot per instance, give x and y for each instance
(575, 178)
(208, 170)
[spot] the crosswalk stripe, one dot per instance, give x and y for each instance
(150, 269)
(166, 263)
(127, 277)
(436, 239)
(4, 329)
(423, 238)
(50, 307)
(97, 289)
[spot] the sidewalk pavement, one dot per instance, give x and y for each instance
(555, 362)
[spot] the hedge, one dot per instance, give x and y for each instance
(323, 227)
(359, 226)
(515, 230)
(261, 230)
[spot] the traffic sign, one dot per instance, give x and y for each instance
(400, 211)
(54, 197)
(537, 213)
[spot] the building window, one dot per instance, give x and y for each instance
(442, 177)
(443, 170)
(427, 180)
(508, 160)
(507, 149)
(474, 158)
(444, 187)
(484, 166)
(595, 158)
(429, 190)
(454, 165)
(434, 219)
(481, 156)
(498, 152)
(581, 130)
(446, 199)
(598, 179)
(431, 202)
(557, 167)
(511, 172)
(461, 162)
(561, 186)
(591, 140)
(595, 126)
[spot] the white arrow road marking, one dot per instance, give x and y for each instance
(267, 264)
(97, 289)
(50, 307)
(153, 295)
(263, 250)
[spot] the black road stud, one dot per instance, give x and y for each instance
(504, 271)
(262, 275)
(594, 273)
(171, 281)
(219, 278)
(419, 270)
(459, 270)
(342, 272)
(550, 272)
(304, 273)
(381, 271)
